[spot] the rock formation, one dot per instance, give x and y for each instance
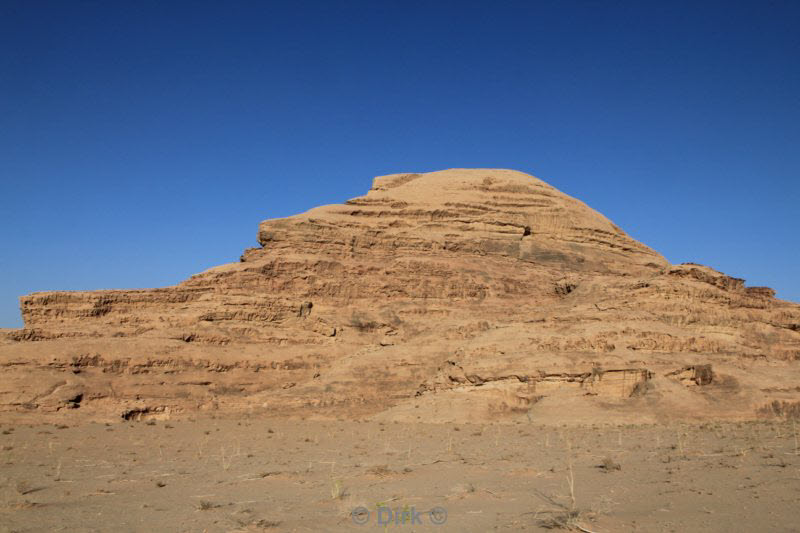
(456, 295)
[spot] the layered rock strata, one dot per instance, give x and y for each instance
(474, 294)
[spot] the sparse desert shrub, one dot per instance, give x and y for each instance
(563, 520)
(564, 512)
(379, 470)
(609, 465)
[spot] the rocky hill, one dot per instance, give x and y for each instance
(476, 294)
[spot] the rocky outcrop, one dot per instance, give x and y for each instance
(356, 309)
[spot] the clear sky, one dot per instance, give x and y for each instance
(142, 142)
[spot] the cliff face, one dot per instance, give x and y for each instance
(461, 294)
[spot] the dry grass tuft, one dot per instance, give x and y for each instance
(206, 505)
(609, 465)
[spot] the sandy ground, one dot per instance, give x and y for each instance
(278, 475)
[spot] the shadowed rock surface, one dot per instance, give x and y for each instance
(460, 295)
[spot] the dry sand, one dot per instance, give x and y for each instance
(277, 475)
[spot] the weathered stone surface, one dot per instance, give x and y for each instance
(452, 295)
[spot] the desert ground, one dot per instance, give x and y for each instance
(257, 474)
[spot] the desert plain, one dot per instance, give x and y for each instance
(243, 474)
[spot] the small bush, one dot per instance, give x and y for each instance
(609, 465)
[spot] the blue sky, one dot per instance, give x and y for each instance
(141, 142)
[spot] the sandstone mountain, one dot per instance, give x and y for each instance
(460, 295)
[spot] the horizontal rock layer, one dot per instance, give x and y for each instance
(360, 309)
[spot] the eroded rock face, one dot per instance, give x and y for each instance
(356, 309)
